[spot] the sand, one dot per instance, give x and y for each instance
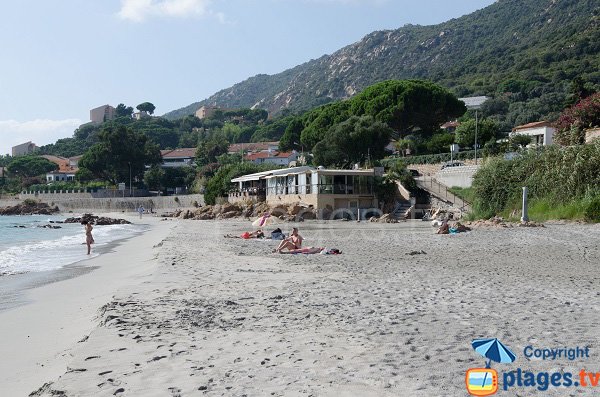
(38, 334)
(394, 315)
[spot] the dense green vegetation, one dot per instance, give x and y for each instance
(574, 120)
(532, 57)
(356, 140)
(220, 183)
(120, 155)
(561, 177)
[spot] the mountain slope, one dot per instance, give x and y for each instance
(527, 51)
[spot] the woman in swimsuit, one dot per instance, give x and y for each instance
(294, 242)
(89, 240)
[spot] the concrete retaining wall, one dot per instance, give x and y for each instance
(73, 203)
(457, 176)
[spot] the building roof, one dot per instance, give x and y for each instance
(474, 102)
(179, 153)
(256, 156)
(450, 124)
(536, 124)
(62, 162)
(325, 171)
(252, 146)
(268, 155)
(277, 172)
(284, 154)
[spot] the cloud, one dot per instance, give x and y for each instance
(139, 10)
(40, 132)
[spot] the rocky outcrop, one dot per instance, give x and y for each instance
(295, 212)
(499, 222)
(29, 207)
(97, 220)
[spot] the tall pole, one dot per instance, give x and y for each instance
(130, 187)
(524, 214)
(476, 136)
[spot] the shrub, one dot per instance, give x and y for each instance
(431, 158)
(556, 174)
(30, 202)
(592, 211)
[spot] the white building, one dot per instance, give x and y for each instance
(341, 191)
(60, 176)
(541, 132)
(272, 157)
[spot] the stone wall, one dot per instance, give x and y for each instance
(457, 176)
(75, 203)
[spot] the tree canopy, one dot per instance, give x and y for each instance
(30, 166)
(465, 133)
(353, 141)
(146, 107)
(119, 154)
(406, 106)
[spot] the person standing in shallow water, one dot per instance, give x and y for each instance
(89, 240)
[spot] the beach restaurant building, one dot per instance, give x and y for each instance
(317, 187)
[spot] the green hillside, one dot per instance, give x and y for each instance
(524, 53)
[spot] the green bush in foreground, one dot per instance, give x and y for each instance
(562, 177)
(592, 212)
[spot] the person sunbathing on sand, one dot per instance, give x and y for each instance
(294, 242)
(307, 250)
(247, 235)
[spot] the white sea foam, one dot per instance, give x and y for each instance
(34, 249)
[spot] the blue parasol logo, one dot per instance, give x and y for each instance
(484, 381)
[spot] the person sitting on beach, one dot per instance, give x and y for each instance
(294, 242)
(247, 235)
(444, 229)
(89, 240)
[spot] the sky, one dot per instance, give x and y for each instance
(62, 58)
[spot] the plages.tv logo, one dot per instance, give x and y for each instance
(484, 381)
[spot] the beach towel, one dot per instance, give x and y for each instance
(330, 251)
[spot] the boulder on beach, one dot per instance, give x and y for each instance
(97, 220)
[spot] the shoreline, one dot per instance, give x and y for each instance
(59, 310)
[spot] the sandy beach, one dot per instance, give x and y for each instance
(52, 311)
(182, 311)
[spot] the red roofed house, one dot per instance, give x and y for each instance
(183, 157)
(542, 132)
(450, 126)
(252, 147)
(66, 169)
(272, 157)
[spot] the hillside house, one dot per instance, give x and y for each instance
(272, 157)
(253, 147)
(184, 157)
(541, 132)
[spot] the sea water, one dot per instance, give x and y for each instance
(26, 246)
